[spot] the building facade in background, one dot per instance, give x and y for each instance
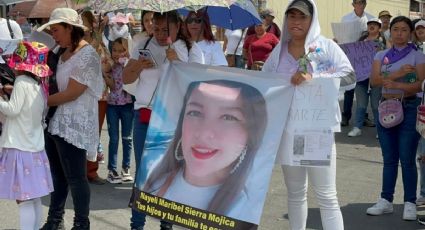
(333, 10)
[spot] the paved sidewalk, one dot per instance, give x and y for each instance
(359, 166)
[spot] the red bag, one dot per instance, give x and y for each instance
(145, 115)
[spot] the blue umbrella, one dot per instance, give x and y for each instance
(239, 15)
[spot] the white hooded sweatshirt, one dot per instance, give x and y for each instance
(329, 62)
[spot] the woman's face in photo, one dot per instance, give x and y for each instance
(61, 34)
(298, 23)
(194, 25)
(214, 132)
(400, 33)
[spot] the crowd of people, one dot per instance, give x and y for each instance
(98, 71)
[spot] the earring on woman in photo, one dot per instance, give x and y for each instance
(179, 157)
(241, 157)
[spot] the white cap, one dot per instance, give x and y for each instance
(420, 23)
(376, 20)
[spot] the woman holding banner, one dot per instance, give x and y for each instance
(166, 44)
(220, 128)
(400, 70)
(301, 55)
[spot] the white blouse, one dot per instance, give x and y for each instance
(213, 53)
(77, 121)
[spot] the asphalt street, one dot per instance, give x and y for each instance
(359, 168)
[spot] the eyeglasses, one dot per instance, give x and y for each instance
(193, 20)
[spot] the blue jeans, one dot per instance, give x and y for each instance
(140, 130)
(69, 172)
(240, 63)
(348, 104)
(138, 219)
(421, 152)
(115, 113)
(400, 143)
(362, 99)
(375, 97)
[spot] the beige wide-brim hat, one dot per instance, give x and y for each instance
(65, 15)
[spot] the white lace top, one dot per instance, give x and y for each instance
(77, 121)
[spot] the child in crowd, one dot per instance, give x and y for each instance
(120, 107)
(24, 166)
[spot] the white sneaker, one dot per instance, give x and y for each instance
(381, 207)
(420, 201)
(125, 175)
(409, 212)
(355, 132)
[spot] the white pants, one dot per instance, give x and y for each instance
(323, 184)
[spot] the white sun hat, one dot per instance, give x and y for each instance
(65, 15)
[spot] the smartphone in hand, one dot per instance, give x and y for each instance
(146, 54)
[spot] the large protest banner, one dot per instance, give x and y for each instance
(211, 146)
(361, 56)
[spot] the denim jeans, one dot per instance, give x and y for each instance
(421, 152)
(114, 114)
(240, 62)
(375, 97)
(69, 172)
(362, 100)
(138, 219)
(348, 104)
(400, 143)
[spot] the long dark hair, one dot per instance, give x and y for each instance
(173, 17)
(206, 25)
(141, 20)
(77, 34)
(88, 15)
(255, 111)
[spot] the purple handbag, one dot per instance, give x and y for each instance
(390, 112)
